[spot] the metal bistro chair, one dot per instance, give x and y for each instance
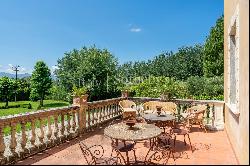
(159, 154)
(94, 155)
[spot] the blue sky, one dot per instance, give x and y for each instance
(32, 30)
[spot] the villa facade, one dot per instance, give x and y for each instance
(236, 76)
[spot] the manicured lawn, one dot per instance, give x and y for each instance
(47, 104)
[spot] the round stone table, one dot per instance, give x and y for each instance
(155, 117)
(162, 121)
(140, 131)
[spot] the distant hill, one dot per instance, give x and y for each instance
(2, 74)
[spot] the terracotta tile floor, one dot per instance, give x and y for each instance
(210, 148)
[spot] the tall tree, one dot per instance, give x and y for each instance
(41, 81)
(6, 89)
(186, 62)
(91, 67)
(213, 63)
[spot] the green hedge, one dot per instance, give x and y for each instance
(29, 106)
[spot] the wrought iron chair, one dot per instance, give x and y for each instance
(159, 154)
(181, 129)
(123, 147)
(94, 155)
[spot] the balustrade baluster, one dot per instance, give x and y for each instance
(68, 124)
(103, 112)
(13, 142)
(96, 115)
(24, 137)
(110, 108)
(212, 115)
(115, 110)
(41, 136)
(88, 118)
(106, 112)
(73, 120)
(118, 109)
(62, 126)
(33, 133)
(56, 128)
(92, 114)
(2, 144)
(62, 129)
(100, 114)
(49, 134)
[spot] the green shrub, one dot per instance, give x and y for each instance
(10, 106)
(156, 86)
(29, 106)
(202, 88)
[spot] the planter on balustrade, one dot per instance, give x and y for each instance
(76, 99)
(125, 93)
(165, 96)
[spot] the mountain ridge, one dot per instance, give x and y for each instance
(22, 75)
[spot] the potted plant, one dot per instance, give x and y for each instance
(166, 96)
(168, 91)
(125, 90)
(78, 93)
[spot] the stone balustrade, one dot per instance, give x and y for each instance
(214, 116)
(23, 135)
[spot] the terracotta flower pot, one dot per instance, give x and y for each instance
(76, 99)
(125, 93)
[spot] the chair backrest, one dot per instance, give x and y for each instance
(158, 155)
(150, 105)
(127, 104)
(166, 106)
(198, 110)
(169, 107)
(92, 153)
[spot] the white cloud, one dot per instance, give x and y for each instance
(9, 69)
(135, 30)
(53, 68)
(22, 69)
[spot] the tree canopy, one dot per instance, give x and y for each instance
(6, 89)
(213, 62)
(41, 82)
(92, 67)
(186, 62)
